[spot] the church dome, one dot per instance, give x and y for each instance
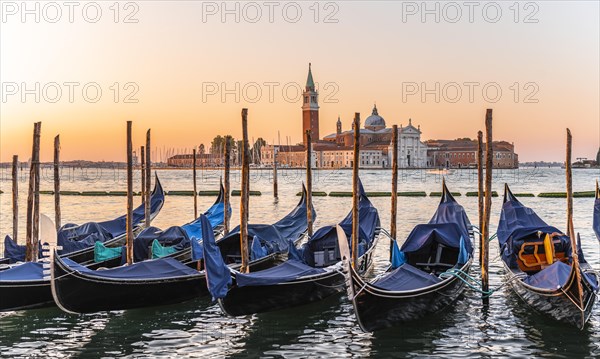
(375, 122)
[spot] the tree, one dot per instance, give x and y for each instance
(201, 149)
(260, 142)
(216, 145)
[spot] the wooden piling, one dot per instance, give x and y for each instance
(275, 172)
(309, 206)
(226, 186)
(147, 207)
(29, 225)
(36, 197)
(489, 164)
(57, 213)
(143, 169)
(195, 184)
(355, 196)
(15, 197)
(480, 193)
(129, 221)
(393, 231)
(570, 227)
(244, 197)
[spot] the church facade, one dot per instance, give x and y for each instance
(336, 150)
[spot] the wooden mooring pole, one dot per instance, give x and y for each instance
(244, 195)
(309, 206)
(129, 223)
(195, 184)
(393, 231)
(31, 235)
(143, 169)
(15, 197)
(480, 192)
(147, 207)
(355, 196)
(226, 185)
(570, 227)
(489, 164)
(57, 213)
(275, 172)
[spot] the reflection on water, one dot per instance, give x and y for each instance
(325, 329)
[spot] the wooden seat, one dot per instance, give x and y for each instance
(537, 261)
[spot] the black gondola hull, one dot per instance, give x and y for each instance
(258, 299)
(265, 298)
(25, 295)
(80, 293)
(558, 304)
(378, 309)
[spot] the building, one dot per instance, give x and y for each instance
(336, 150)
(202, 160)
(462, 153)
(310, 109)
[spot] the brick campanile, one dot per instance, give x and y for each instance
(310, 109)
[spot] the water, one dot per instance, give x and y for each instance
(325, 329)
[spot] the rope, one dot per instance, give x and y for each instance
(471, 282)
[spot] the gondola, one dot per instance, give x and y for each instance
(77, 241)
(174, 242)
(77, 289)
(268, 243)
(424, 276)
(547, 284)
(23, 285)
(311, 272)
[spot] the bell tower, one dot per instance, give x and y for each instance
(310, 109)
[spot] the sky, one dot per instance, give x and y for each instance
(185, 69)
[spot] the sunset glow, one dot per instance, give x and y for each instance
(185, 69)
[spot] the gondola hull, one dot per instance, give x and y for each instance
(81, 293)
(25, 295)
(378, 309)
(259, 299)
(559, 304)
(264, 298)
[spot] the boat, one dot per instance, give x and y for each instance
(548, 284)
(268, 243)
(78, 289)
(311, 272)
(23, 284)
(77, 241)
(426, 272)
(174, 242)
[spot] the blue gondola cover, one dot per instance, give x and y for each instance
(406, 277)
(218, 276)
(519, 224)
(171, 237)
(72, 237)
(285, 272)
(30, 271)
(151, 269)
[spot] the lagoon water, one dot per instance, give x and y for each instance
(325, 329)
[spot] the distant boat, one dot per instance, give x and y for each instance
(440, 171)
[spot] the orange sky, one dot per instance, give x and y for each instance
(178, 52)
